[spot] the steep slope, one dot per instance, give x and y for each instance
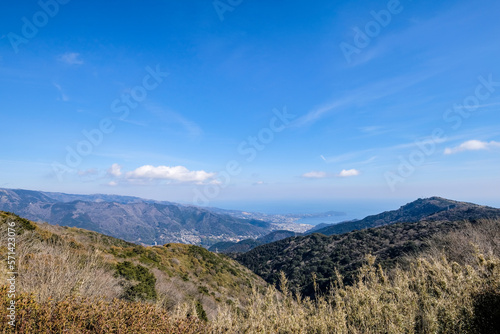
(131, 218)
(57, 261)
(248, 244)
(430, 209)
(299, 257)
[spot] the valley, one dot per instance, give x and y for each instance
(137, 220)
(301, 281)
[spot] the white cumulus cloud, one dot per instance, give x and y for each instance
(348, 172)
(472, 145)
(176, 173)
(315, 175)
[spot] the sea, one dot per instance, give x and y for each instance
(351, 208)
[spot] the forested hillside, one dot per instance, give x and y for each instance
(429, 209)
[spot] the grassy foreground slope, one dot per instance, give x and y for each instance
(433, 294)
(56, 262)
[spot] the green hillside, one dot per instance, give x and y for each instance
(55, 262)
(299, 257)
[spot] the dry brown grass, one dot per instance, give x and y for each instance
(62, 290)
(93, 316)
(434, 296)
(463, 245)
(53, 269)
(55, 272)
(175, 294)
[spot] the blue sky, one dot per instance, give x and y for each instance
(209, 101)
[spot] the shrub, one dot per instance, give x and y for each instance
(200, 312)
(145, 288)
(487, 311)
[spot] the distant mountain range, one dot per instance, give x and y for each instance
(389, 236)
(134, 219)
(429, 209)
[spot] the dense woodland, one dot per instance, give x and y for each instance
(299, 257)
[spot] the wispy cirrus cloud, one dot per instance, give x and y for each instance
(63, 97)
(90, 171)
(370, 129)
(472, 145)
(317, 113)
(315, 175)
(364, 95)
(71, 58)
(323, 175)
(175, 120)
(371, 154)
(485, 105)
